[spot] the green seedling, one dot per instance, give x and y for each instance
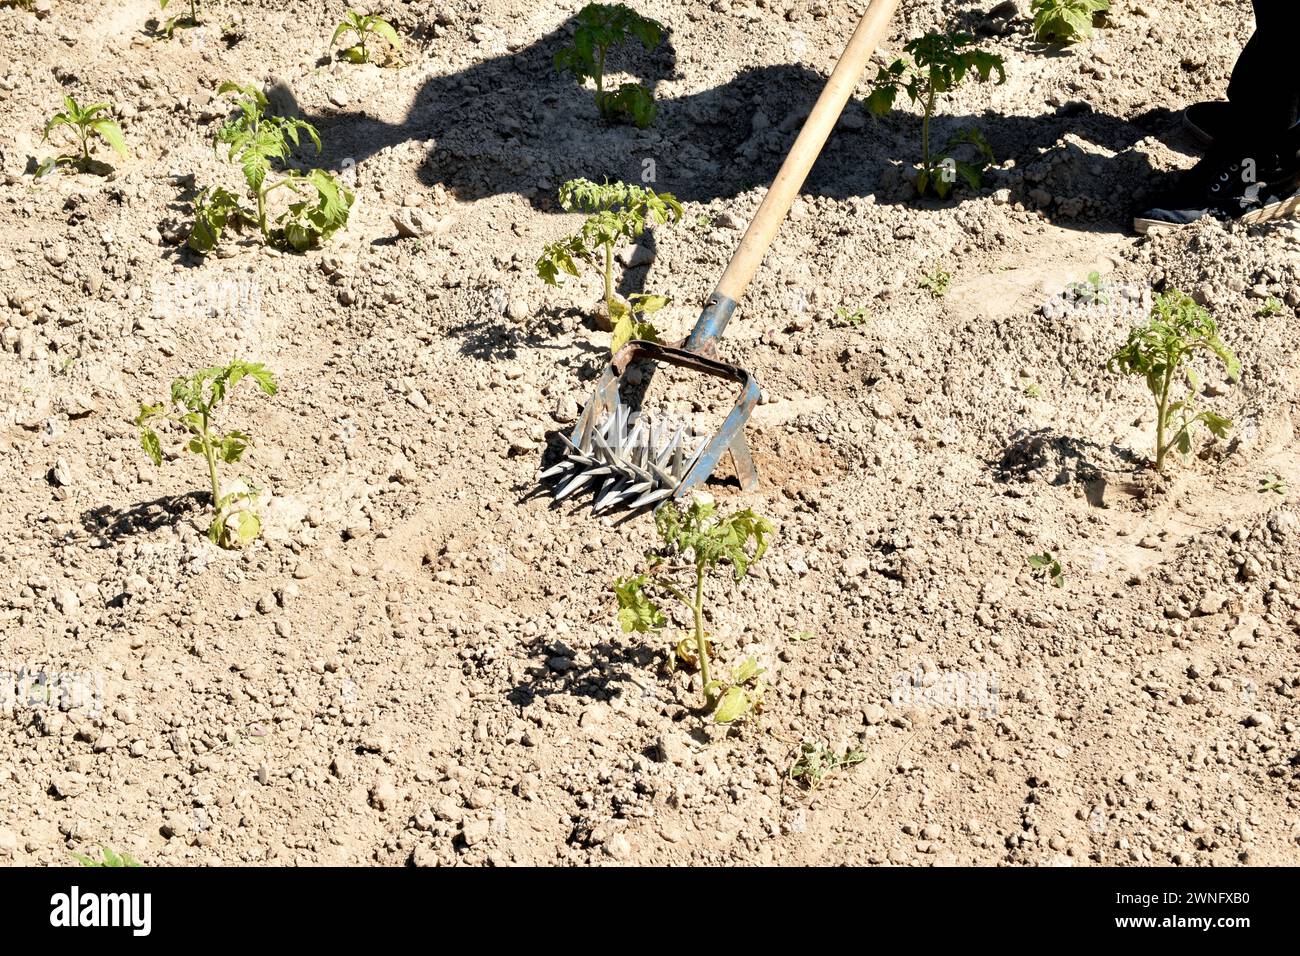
(703, 222)
(1030, 388)
(1270, 308)
(1091, 291)
(1065, 21)
(1047, 568)
(695, 540)
(616, 212)
(181, 20)
(86, 124)
(1273, 484)
(936, 282)
(364, 25)
(935, 64)
(254, 141)
(846, 316)
(194, 398)
(110, 859)
(802, 637)
(602, 27)
(817, 761)
(1161, 352)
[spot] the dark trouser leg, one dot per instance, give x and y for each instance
(1265, 87)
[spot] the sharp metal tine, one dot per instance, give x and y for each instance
(651, 497)
(663, 478)
(613, 490)
(666, 452)
(573, 484)
(556, 469)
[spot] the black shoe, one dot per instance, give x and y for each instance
(1228, 187)
(1209, 122)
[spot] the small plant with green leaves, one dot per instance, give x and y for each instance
(1161, 352)
(1273, 484)
(817, 761)
(937, 282)
(1029, 388)
(256, 140)
(696, 539)
(190, 19)
(194, 399)
(109, 859)
(365, 26)
(86, 124)
(616, 212)
(851, 317)
(1091, 291)
(1066, 21)
(1046, 567)
(1270, 308)
(601, 28)
(935, 64)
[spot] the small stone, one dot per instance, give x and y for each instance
(618, 847)
(856, 565)
(518, 309)
(383, 795)
(672, 748)
(66, 600)
(475, 831)
(57, 254)
(60, 475)
(874, 714)
(566, 409)
(480, 798)
(1212, 603)
(1259, 719)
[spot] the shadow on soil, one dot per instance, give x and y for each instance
(115, 524)
(512, 124)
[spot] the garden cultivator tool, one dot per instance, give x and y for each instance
(634, 463)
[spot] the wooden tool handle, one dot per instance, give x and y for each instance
(816, 129)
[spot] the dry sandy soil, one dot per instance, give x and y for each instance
(419, 661)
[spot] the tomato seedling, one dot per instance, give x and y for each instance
(616, 212)
(1066, 21)
(1047, 568)
(254, 140)
(935, 64)
(817, 761)
(110, 859)
(695, 540)
(181, 20)
(85, 123)
(846, 316)
(1273, 484)
(1161, 352)
(1270, 308)
(1091, 291)
(193, 400)
(602, 27)
(936, 282)
(364, 25)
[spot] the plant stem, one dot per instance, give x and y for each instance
(925, 130)
(1162, 406)
(85, 148)
(701, 645)
(609, 282)
(261, 211)
(210, 455)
